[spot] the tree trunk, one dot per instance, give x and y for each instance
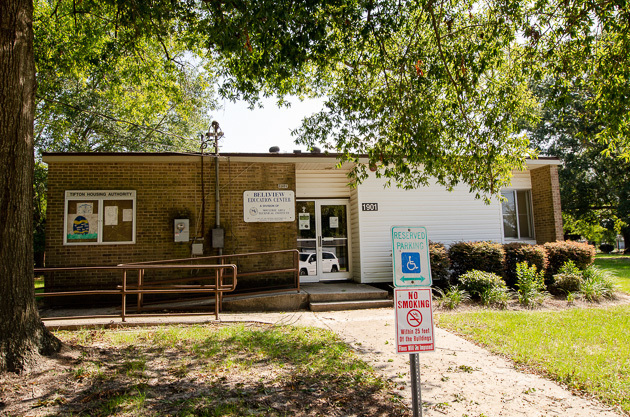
(22, 333)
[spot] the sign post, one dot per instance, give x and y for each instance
(412, 301)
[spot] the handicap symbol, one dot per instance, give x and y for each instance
(410, 262)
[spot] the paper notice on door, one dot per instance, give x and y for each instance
(85, 208)
(334, 222)
(305, 221)
(111, 216)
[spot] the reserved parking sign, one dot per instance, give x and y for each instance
(410, 256)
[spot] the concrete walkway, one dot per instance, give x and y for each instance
(459, 379)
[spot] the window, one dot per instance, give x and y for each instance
(517, 214)
(100, 217)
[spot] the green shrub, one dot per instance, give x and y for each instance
(451, 297)
(496, 297)
(517, 252)
(568, 279)
(476, 282)
(482, 256)
(440, 264)
(531, 285)
(597, 284)
(558, 253)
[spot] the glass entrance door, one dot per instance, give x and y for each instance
(323, 240)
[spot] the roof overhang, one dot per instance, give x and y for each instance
(302, 160)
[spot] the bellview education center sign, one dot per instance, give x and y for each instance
(268, 206)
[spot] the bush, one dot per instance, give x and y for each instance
(440, 264)
(496, 296)
(568, 279)
(559, 253)
(531, 285)
(522, 252)
(596, 284)
(481, 256)
(452, 297)
(606, 247)
(477, 282)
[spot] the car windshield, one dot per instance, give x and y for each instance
(304, 256)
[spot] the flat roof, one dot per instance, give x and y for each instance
(189, 157)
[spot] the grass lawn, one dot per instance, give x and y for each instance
(205, 370)
(619, 266)
(587, 349)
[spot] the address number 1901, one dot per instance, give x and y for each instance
(369, 207)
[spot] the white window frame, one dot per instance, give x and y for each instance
(530, 216)
(100, 196)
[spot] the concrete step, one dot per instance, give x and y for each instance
(350, 305)
(321, 292)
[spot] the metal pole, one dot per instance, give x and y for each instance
(216, 294)
(123, 308)
(416, 394)
(217, 198)
(140, 280)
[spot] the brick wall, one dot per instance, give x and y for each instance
(546, 202)
(165, 191)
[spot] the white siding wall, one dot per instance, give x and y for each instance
(322, 184)
(521, 180)
(448, 216)
(355, 235)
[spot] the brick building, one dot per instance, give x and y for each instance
(109, 209)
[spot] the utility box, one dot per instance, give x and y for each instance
(182, 230)
(218, 237)
(197, 249)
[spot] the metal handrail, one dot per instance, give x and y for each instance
(221, 258)
(218, 288)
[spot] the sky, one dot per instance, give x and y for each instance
(255, 131)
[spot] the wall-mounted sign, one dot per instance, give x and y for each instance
(283, 186)
(269, 206)
(94, 217)
(369, 206)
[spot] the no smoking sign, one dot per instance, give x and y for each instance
(414, 320)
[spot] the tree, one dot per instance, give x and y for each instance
(430, 90)
(593, 183)
(22, 332)
(439, 88)
(103, 88)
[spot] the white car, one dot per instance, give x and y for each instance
(308, 263)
